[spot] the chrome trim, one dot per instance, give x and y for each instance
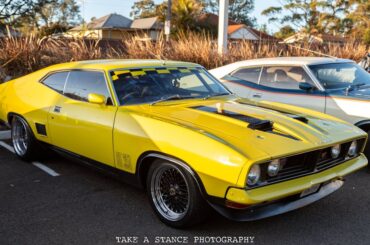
(170, 194)
(20, 136)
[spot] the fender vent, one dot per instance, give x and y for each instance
(41, 129)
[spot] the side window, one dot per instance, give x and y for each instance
(82, 83)
(248, 74)
(284, 77)
(56, 81)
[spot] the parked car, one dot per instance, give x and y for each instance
(338, 87)
(173, 129)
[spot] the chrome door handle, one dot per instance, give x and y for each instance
(57, 109)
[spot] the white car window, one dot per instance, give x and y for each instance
(248, 74)
(284, 77)
(340, 75)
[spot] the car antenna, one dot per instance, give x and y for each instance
(314, 52)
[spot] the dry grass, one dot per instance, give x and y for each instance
(22, 56)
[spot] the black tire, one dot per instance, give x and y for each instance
(24, 142)
(367, 149)
(174, 192)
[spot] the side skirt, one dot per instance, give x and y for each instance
(131, 179)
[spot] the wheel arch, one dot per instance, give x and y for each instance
(11, 115)
(148, 158)
(364, 125)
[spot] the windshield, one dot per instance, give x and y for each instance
(153, 85)
(341, 75)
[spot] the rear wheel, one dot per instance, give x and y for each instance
(25, 145)
(174, 195)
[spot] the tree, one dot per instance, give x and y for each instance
(284, 32)
(53, 17)
(143, 9)
(12, 9)
(60, 12)
(310, 16)
(185, 13)
(358, 19)
(239, 10)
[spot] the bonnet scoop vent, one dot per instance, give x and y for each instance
(253, 123)
(262, 125)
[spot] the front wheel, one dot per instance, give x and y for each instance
(174, 195)
(24, 142)
(367, 148)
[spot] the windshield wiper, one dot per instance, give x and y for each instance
(354, 86)
(172, 97)
(214, 95)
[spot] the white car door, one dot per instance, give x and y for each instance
(243, 81)
(282, 84)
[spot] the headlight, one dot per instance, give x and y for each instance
(254, 175)
(335, 151)
(353, 149)
(274, 167)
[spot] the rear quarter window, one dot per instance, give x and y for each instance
(248, 74)
(56, 81)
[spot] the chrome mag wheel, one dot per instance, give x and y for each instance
(170, 192)
(20, 136)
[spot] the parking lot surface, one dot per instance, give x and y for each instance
(58, 201)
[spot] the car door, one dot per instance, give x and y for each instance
(81, 127)
(281, 84)
(243, 81)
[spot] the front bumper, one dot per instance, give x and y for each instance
(283, 197)
(280, 207)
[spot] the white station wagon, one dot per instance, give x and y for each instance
(337, 87)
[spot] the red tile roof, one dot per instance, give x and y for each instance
(258, 34)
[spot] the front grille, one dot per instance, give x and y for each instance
(307, 163)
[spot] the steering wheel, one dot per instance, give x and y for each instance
(123, 98)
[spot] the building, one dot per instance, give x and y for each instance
(236, 31)
(115, 26)
(243, 32)
(147, 28)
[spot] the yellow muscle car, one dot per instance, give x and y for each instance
(173, 129)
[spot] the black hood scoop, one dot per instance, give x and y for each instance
(254, 123)
(293, 116)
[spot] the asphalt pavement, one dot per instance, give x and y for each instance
(77, 205)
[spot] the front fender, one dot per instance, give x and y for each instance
(217, 164)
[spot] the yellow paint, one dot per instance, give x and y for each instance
(219, 149)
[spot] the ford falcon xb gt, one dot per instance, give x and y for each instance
(338, 87)
(175, 130)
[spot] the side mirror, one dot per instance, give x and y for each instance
(96, 99)
(306, 86)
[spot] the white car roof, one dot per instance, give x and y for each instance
(224, 70)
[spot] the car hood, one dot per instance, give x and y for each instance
(251, 129)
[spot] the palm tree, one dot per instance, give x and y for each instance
(185, 13)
